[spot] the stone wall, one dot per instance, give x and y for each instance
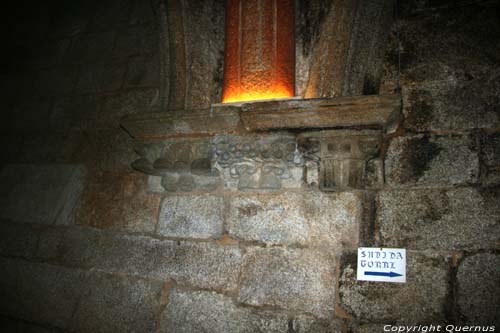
(236, 236)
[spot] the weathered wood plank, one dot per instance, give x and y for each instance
(185, 123)
(320, 113)
(373, 110)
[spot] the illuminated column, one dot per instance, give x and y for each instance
(259, 59)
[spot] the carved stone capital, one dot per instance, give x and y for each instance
(264, 162)
(238, 162)
(343, 156)
(183, 164)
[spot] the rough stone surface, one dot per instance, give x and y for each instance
(191, 216)
(105, 150)
(461, 218)
(490, 155)
(143, 71)
(335, 57)
(202, 265)
(192, 53)
(128, 102)
(92, 47)
(432, 161)
(12, 325)
(292, 279)
(478, 279)
(451, 104)
(17, 240)
(74, 112)
(73, 247)
(420, 299)
(313, 218)
(126, 306)
(200, 311)
(39, 293)
(44, 194)
(135, 40)
(133, 209)
(304, 324)
(448, 66)
(101, 77)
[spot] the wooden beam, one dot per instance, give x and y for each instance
(242, 118)
(354, 111)
(185, 123)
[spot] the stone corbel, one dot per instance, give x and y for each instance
(183, 164)
(336, 158)
(346, 159)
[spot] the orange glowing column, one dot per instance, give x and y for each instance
(259, 59)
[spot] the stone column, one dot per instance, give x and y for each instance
(260, 50)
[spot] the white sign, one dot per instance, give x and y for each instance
(381, 264)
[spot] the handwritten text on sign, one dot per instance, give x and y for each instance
(382, 264)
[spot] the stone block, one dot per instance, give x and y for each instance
(101, 77)
(447, 105)
(17, 240)
(132, 208)
(45, 194)
(490, 156)
(39, 293)
(368, 328)
(306, 218)
(105, 150)
(135, 40)
(201, 28)
(478, 280)
(305, 324)
(455, 219)
(431, 161)
(421, 299)
(202, 265)
(130, 102)
(42, 147)
(74, 112)
(207, 266)
(117, 304)
(199, 216)
(373, 177)
(154, 184)
(86, 48)
(73, 246)
(201, 311)
(292, 279)
(143, 71)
